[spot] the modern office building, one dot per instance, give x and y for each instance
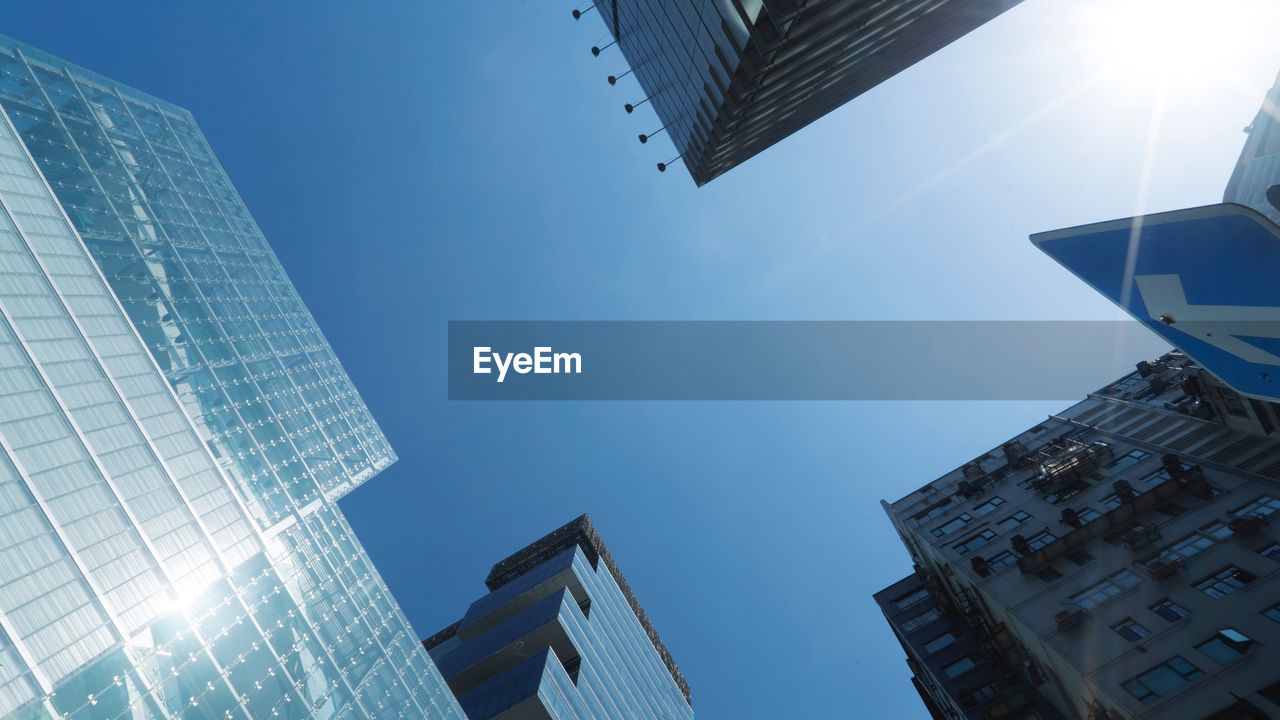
(1259, 164)
(174, 434)
(560, 636)
(1122, 555)
(729, 78)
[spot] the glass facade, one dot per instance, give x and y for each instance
(1259, 165)
(174, 432)
(729, 78)
(560, 638)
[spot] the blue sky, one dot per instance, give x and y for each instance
(425, 162)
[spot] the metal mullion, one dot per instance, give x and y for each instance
(120, 397)
(231, 486)
(199, 290)
(253, 441)
(359, 440)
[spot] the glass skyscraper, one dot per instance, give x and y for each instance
(174, 434)
(729, 78)
(560, 636)
(1259, 165)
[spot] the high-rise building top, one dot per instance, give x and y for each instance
(560, 635)
(729, 78)
(1259, 165)
(1119, 554)
(173, 431)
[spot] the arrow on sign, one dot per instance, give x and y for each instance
(1217, 325)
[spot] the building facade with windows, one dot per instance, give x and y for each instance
(174, 434)
(729, 78)
(1122, 554)
(1259, 165)
(560, 636)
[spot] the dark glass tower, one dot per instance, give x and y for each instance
(560, 636)
(729, 78)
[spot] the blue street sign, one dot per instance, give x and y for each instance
(1206, 279)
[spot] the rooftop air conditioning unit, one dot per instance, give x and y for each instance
(1140, 537)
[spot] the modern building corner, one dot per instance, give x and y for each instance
(730, 78)
(175, 433)
(560, 635)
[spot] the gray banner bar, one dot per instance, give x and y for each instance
(769, 360)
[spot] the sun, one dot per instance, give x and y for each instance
(1163, 41)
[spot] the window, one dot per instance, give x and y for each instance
(1164, 679)
(905, 601)
(1001, 561)
(1100, 592)
(932, 511)
(1013, 521)
(1170, 610)
(1049, 574)
(1225, 581)
(974, 542)
(1272, 613)
(1261, 507)
(1040, 539)
(1156, 478)
(985, 693)
(946, 639)
(1128, 460)
(1226, 647)
(1080, 557)
(947, 528)
(988, 506)
(1067, 492)
(1130, 630)
(1171, 509)
(1087, 515)
(959, 667)
(1271, 552)
(919, 621)
(1188, 547)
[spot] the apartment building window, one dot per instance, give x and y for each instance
(1001, 561)
(974, 542)
(956, 524)
(1263, 506)
(959, 667)
(1272, 613)
(1162, 680)
(1013, 521)
(1197, 542)
(1171, 509)
(1040, 539)
(946, 639)
(1225, 581)
(1271, 552)
(1130, 630)
(1106, 589)
(932, 511)
(1234, 404)
(1087, 515)
(1170, 610)
(1049, 574)
(985, 693)
(912, 624)
(1226, 647)
(1128, 460)
(1157, 478)
(1080, 557)
(912, 598)
(988, 506)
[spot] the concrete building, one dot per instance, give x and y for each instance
(729, 78)
(560, 636)
(1120, 555)
(174, 435)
